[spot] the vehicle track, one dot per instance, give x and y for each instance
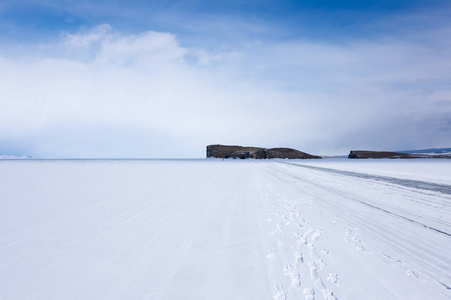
(415, 184)
(429, 258)
(351, 197)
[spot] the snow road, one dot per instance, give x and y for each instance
(213, 229)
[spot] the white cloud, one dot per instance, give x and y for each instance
(86, 39)
(111, 48)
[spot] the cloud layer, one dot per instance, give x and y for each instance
(102, 93)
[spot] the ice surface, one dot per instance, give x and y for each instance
(432, 170)
(213, 229)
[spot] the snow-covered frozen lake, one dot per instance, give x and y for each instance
(234, 229)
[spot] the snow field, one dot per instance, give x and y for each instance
(430, 170)
(213, 229)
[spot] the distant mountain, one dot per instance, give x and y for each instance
(426, 153)
(7, 156)
(377, 154)
(431, 151)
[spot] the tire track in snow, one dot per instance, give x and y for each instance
(431, 262)
(363, 202)
(415, 184)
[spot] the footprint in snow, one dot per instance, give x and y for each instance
(309, 294)
(400, 263)
(333, 278)
(352, 237)
(296, 281)
(411, 273)
(292, 273)
(281, 293)
(324, 251)
(299, 257)
(301, 242)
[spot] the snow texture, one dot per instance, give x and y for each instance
(213, 229)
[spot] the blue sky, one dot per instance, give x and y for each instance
(166, 78)
(28, 21)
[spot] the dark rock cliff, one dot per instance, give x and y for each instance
(385, 154)
(378, 154)
(223, 151)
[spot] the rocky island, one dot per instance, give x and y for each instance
(224, 151)
(355, 154)
(376, 154)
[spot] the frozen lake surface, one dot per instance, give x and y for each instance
(213, 229)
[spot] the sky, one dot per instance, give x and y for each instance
(164, 79)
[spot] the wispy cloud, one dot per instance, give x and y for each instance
(110, 48)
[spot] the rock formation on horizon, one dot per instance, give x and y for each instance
(385, 154)
(224, 151)
(376, 154)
